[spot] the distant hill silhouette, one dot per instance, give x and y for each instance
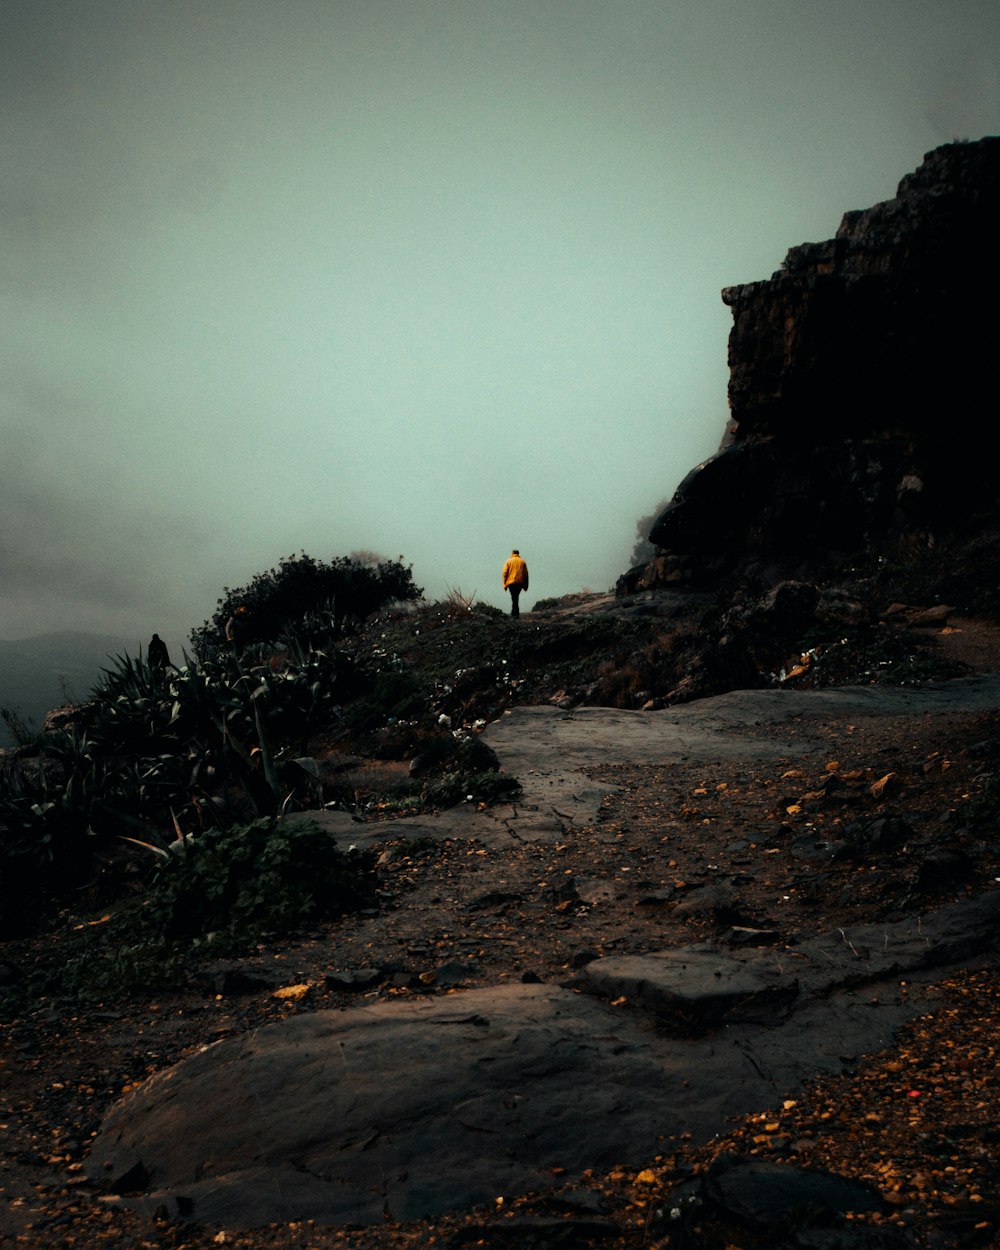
(38, 674)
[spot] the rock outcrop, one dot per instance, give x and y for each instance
(859, 375)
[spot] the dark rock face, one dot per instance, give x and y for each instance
(858, 374)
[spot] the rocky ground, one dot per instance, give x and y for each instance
(677, 853)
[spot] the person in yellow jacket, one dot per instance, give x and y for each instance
(515, 579)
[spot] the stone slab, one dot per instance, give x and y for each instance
(705, 984)
(409, 1108)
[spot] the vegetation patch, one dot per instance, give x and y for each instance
(216, 892)
(266, 876)
(349, 587)
(459, 787)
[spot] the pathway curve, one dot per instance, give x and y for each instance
(408, 1108)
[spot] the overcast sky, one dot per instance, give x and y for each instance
(430, 277)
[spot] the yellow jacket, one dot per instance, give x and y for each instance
(515, 573)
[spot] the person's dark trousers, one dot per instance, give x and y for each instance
(515, 594)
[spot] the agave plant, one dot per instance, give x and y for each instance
(220, 738)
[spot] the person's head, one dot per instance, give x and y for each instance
(515, 552)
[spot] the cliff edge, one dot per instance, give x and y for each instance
(860, 383)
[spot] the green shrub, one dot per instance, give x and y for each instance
(345, 588)
(101, 960)
(468, 787)
(111, 962)
(214, 894)
(267, 876)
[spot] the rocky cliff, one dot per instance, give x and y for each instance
(860, 389)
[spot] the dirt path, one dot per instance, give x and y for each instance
(677, 850)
